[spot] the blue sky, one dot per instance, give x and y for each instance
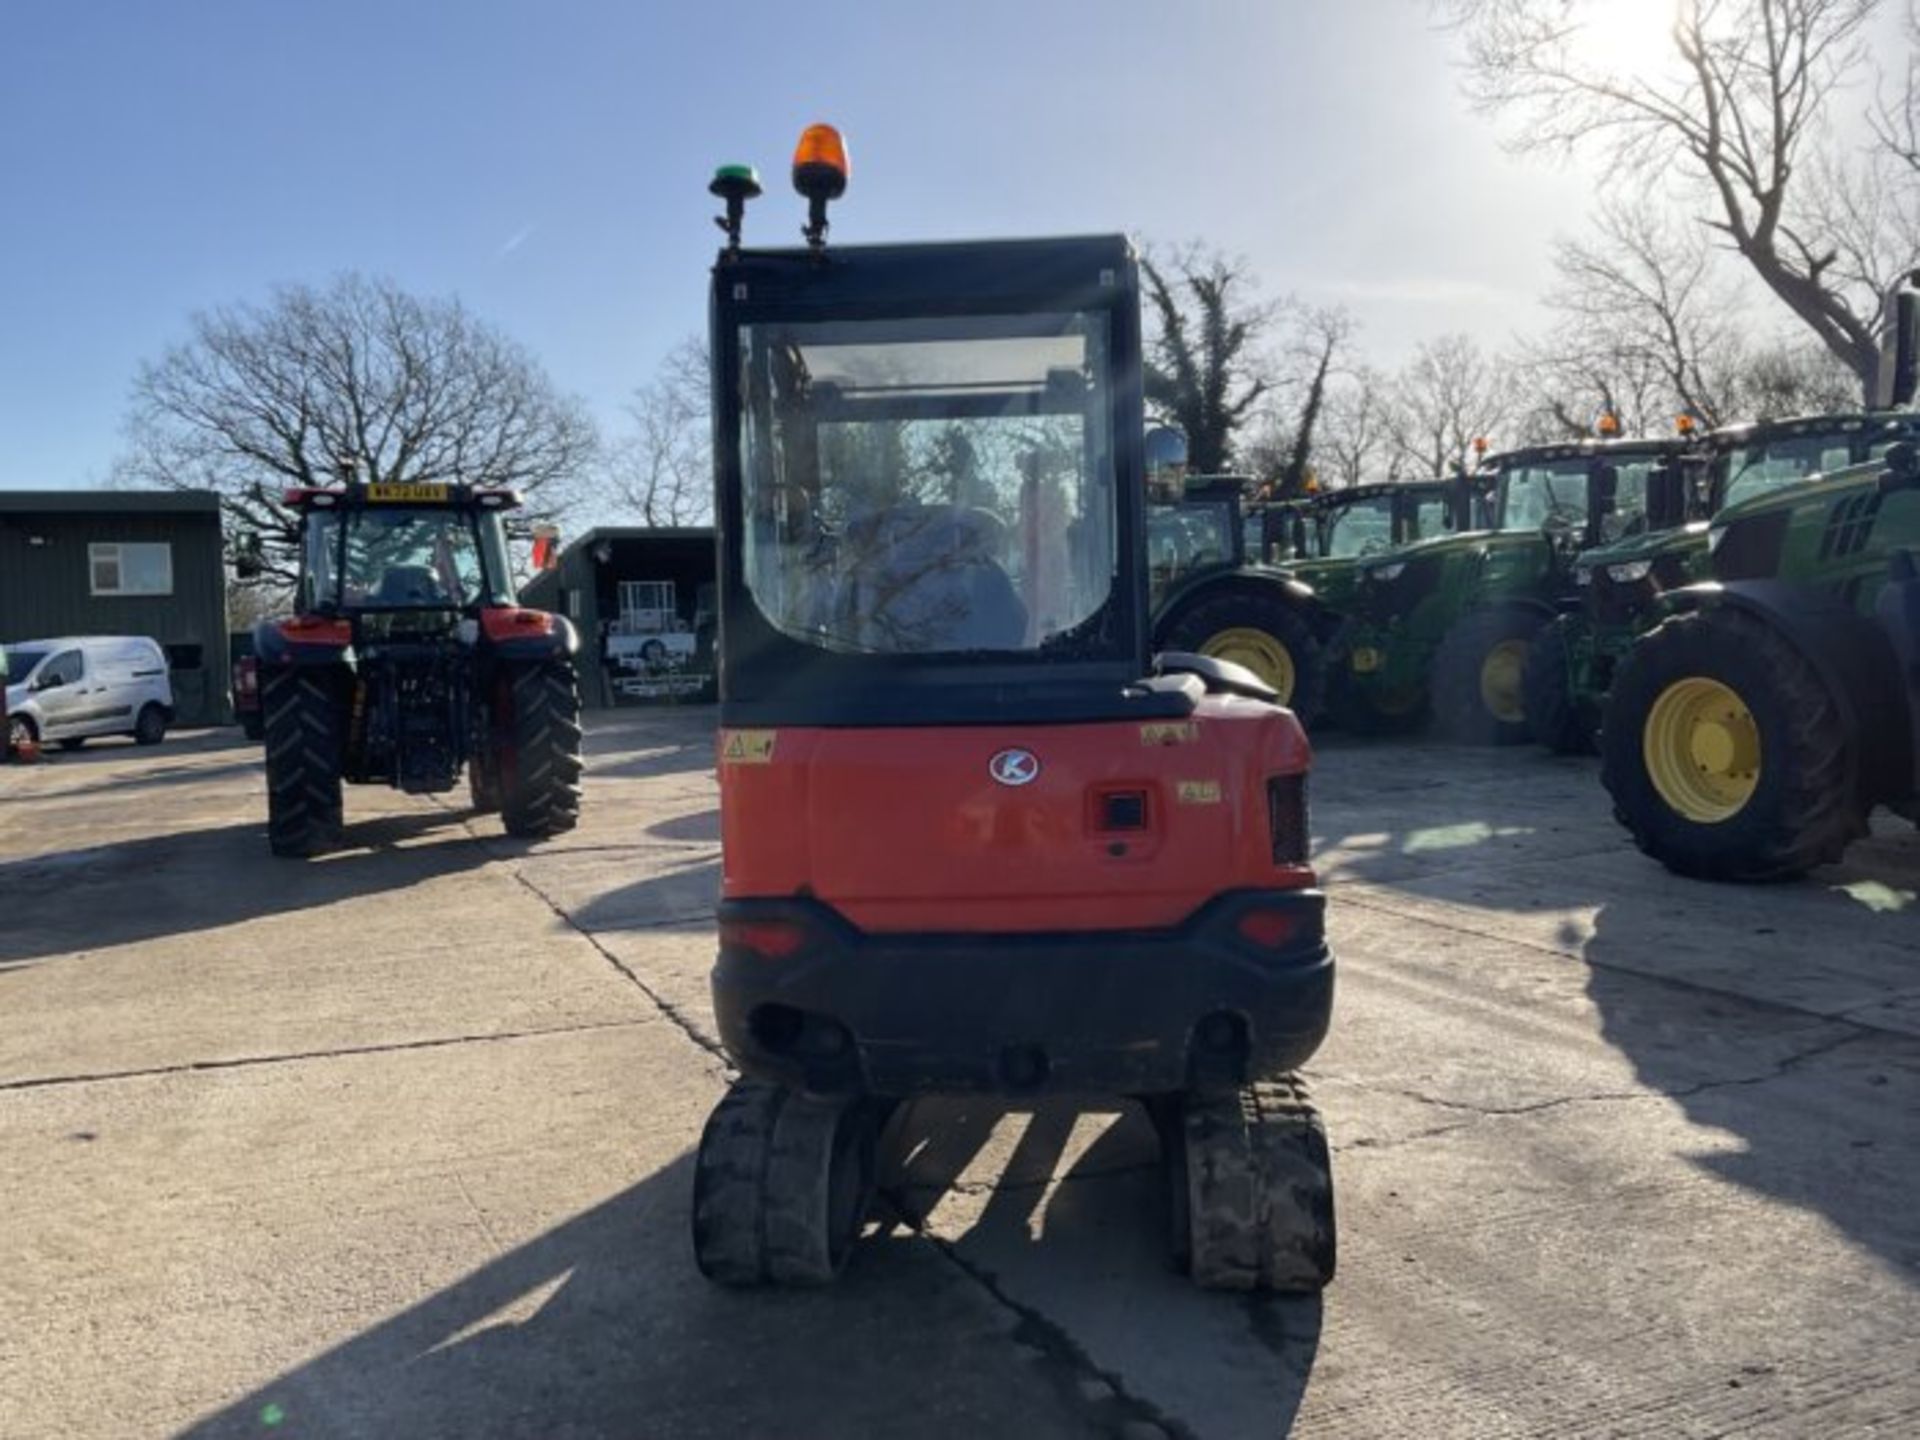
(547, 163)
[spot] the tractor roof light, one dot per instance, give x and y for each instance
(735, 184)
(1608, 425)
(1685, 425)
(820, 174)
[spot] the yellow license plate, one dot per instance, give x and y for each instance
(392, 494)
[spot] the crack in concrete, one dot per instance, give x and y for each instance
(1779, 1070)
(242, 1062)
(673, 1013)
(1038, 1332)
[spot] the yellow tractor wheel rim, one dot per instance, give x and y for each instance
(1501, 688)
(1263, 654)
(1702, 749)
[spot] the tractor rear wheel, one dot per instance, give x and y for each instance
(1555, 714)
(1263, 632)
(781, 1185)
(303, 741)
(1253, 1181)
(1726, 755)
(1477, 690)
(539, 765)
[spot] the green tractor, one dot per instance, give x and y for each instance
(1323, 539)
(1749, 735)
(1445, 625)
(1209, 599)
(1618, 587)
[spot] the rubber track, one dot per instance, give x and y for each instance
(1260, 1189)
(543, 798)
(761, 1190)
(302, 761)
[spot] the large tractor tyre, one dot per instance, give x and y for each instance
(1555, 714)
(150, 726)
(539, 765)
(1726, 755)
(781, 1186)
(301, 711)
(253, 725)
(1478, 696)
(1263, 632)
(1252, 1180)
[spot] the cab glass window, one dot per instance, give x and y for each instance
(1363, 528)
(1544, 496)
(928, 485)
(1768, 464)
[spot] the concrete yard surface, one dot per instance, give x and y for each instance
(398, 1142)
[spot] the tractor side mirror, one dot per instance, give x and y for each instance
(1606, 490)
(248, 562)
(1666, 497)
(546, 547)
(1903, 468)
(1460, 503)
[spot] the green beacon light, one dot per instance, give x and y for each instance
(735, 184)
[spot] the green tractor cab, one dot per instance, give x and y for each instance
(1618, 586)
(1333, 532)
(1751, 732)
(1209, 599)
(1447, 624)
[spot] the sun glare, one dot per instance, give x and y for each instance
(1630, 39)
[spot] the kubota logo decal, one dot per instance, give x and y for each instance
(1014, 767)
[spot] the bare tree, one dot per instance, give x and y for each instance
(1316, 346)
(662, 472)
(1356, 437)
(1448, 396)
(402, 388)
(1204, 372)
(1735, 114)
(1794, 378)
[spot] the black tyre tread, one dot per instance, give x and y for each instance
(1556, 718)
(1260, 1189)
(1455, 684)
(150, 725)
(729, 1184)
(762, 1188)
(802, 1246)
(1793, 824)
(302, 729)
(540, 797)
(1243, 605)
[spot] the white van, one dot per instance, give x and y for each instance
(70, 690)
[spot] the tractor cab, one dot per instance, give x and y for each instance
(1195, 526)
(1580, 494)
(413, 554)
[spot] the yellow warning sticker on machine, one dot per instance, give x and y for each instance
(1198, 792)
(747, 747)
(389, 493)
(1170, 732)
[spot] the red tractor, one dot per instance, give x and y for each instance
(975, 840)
(409, 661)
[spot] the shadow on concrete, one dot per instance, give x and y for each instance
(680, 892)
(160, 885)
(689, 829)
(603, 1327)
(1823, 1107)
